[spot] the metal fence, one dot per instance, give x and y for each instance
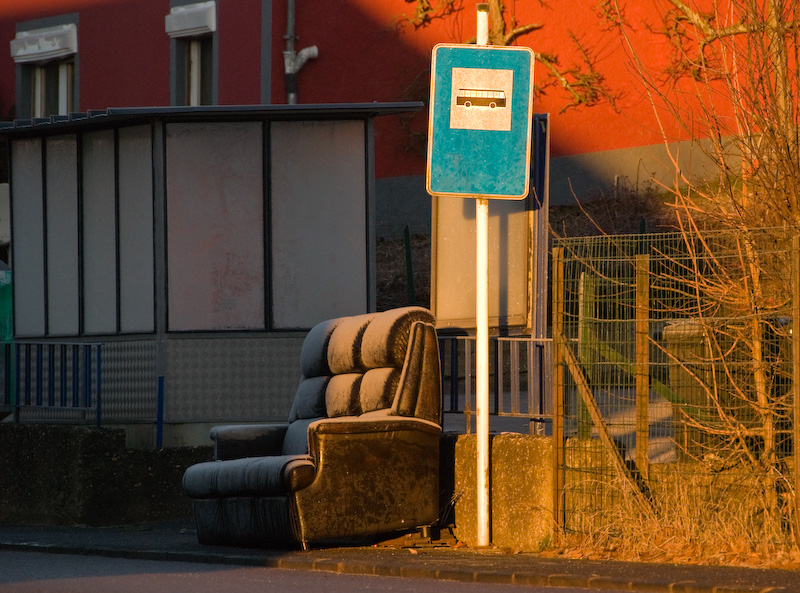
(520, 378)
(673, 391)
(53, 381)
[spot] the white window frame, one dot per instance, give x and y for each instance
(192, 20)
(35, 51)
(189, 26)
(39, 89)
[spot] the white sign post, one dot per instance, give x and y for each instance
(479, 144)
(482, 336)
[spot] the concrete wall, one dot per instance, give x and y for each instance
(583, 177)
(60, 475)
(404, 201)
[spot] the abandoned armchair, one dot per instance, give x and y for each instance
(359, 455)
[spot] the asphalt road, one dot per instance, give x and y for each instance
(34, 572)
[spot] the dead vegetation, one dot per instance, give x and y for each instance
(697, 520)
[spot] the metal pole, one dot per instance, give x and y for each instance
(795, 268)
(482, 335)
(160, 413)
(558, 389)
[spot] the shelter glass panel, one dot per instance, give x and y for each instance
(319, 252)
(136, 273)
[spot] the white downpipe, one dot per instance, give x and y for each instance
(293, 61)
(482, 334)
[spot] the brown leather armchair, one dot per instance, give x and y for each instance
(359, 455)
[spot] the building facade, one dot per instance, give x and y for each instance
(81, 55)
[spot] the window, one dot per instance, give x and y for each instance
(46, 58)
(198, 56)
(192, 28)
(51, 89)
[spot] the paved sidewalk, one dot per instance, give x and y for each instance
(176, 541)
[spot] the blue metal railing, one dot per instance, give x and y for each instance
(53, 377)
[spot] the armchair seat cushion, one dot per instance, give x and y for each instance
(249, 476)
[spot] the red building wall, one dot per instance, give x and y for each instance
(239, 40)
(364, 55)
(124, 55)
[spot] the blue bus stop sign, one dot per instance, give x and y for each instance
(479, 126)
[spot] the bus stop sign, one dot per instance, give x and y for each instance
(479, 126)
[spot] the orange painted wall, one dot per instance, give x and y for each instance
(365, 56)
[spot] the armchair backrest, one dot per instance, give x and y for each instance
(378, 361)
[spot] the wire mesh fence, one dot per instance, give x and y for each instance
(673, 385)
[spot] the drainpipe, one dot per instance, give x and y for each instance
(292, 60)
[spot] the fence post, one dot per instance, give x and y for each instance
(795, 266)
(558, 387)
(642, 363)
(99, 395)
(587, 344)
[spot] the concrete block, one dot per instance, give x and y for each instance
(465, 472)
(521, 491)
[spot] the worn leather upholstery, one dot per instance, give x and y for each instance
(360, 452)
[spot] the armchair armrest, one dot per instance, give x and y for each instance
(374, 422)
(376, 473)
(247, 440)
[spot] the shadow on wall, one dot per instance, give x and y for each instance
(574, 179)
(584, 177)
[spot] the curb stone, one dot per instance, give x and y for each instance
(479, 568)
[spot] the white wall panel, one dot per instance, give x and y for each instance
(63, 306)
(99, 234)
(215, 214)
(28, 230)
(318, 221)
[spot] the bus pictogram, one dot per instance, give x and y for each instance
(481, 98)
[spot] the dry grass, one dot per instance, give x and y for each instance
(698, 518)
(594, 548)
